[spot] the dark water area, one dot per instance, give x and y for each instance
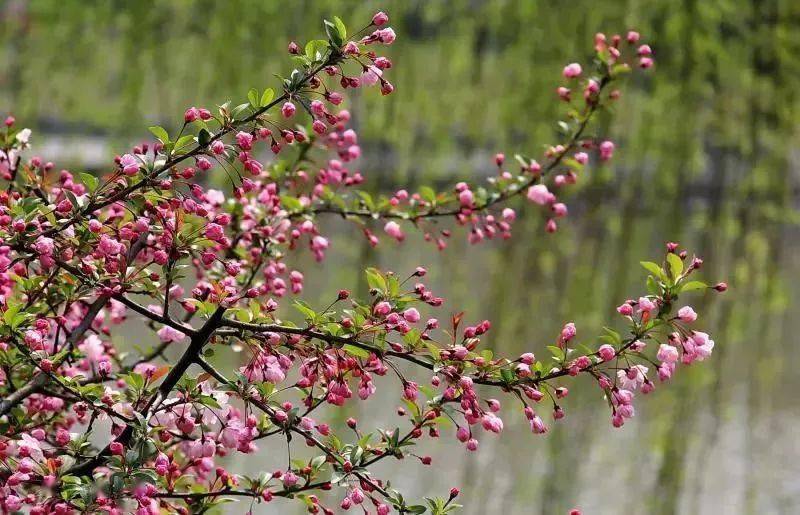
(718, 438)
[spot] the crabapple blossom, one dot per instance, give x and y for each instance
(687, 314)
(572, 70)
(539, 194)
(130, 165)
(211, 277)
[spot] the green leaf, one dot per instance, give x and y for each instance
(366, 198)
(428, 194)
(204, 137)
(11, 313)
(652, 286)
(291, 203)
(236, 111)
(160, 133)
(693, 285)
(305, 309)
(435, 351)
(90, 181)
(315, 49)
(653, 268)
(675, 265)
(615, 336)
(340, 27)
(267, 97)
(207, 400)
(375, 280)
(334, 35)
(356, 351)
(557, 352)
(183, 141)
(252, 96)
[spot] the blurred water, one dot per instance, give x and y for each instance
(706, 157)
(719, 438)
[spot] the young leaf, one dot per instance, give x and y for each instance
(183, 141)
(653, 268)
(693, 285)
(90, 181)
(356, 351)
(204, 137)
(675, 265)
(252, 97)
(267, 97)
(335, 37)
(160, 133)
(340, 27)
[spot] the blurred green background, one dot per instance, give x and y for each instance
(707, 156)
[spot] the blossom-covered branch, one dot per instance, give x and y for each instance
(206, 273)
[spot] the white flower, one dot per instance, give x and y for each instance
(23, 136)
(93, 348)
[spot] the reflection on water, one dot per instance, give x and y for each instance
(704, 145)
(717, 439)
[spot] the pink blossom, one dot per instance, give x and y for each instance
(703, 345)
(492, 422)
(632, 378)
(386, 36)
(290, 479)
(606, 352)
(44, 246)
(537, 425)
(393, 229)
(130, 165)
(572, 71)
(625, 310)
(411, 315)
(319, 243)
(288, 109)
(465, 198)
(606, 150)
(667, 353)
(371, 76)
(214, 232)
(168, 334)
(539, 194)
(687, 314)
(646, 305)
(218, 147)
(568, 332)
(382, 309)
(33, 339)
(244, 140)
(380, 18)
(665, 370)
(109, 247)
(191, 115)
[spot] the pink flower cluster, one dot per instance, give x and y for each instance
(94, 426)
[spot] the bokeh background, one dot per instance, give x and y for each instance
(707, 156)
